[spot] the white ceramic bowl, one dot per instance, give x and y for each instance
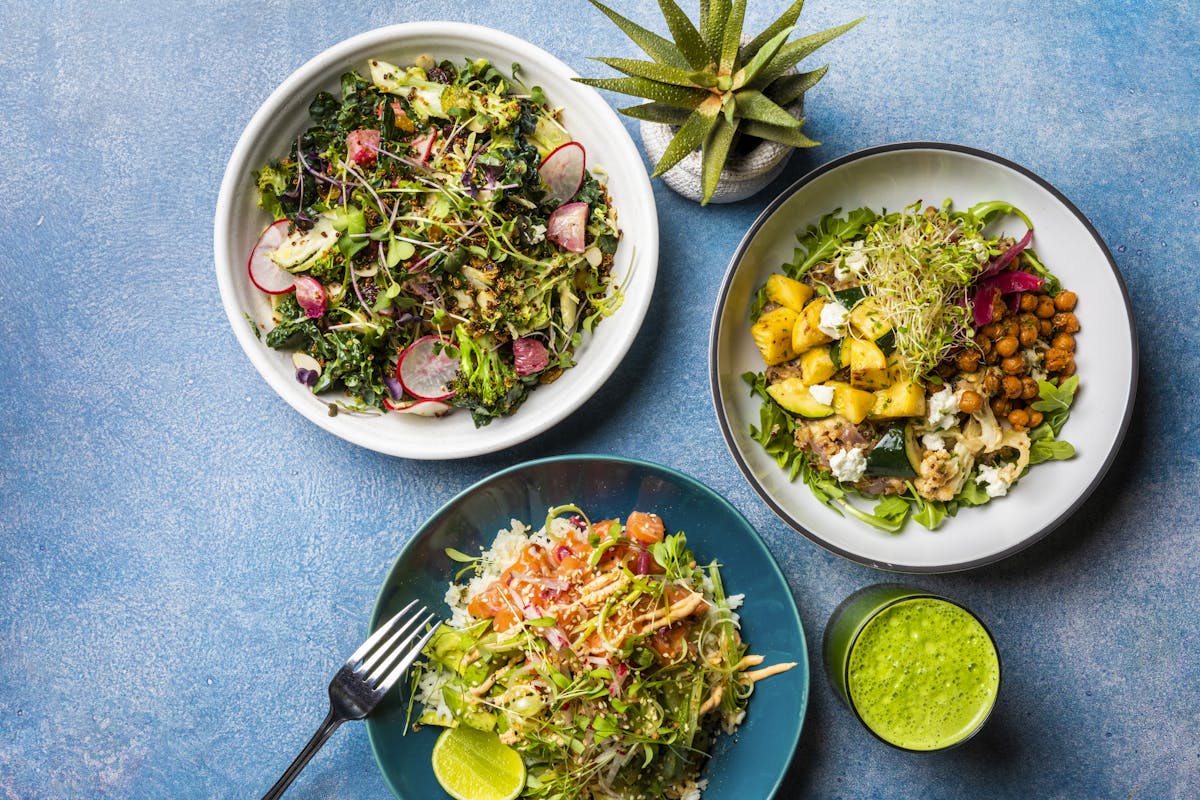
(892, 177)
(590, 120)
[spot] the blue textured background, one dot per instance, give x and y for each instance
(184, 560)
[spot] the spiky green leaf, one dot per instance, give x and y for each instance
(649, 69)
(793, 52)
(731, 37)
(716, 150)
(655, 46)
(657, 112)
(703, 14)
(669, 94)
(687, 38)
(713, 29)
(786, 20)
(790, 88)
(755, 105)
(764, 55)
(692, 134)
(792, 137)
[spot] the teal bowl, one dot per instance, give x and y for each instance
(752, 764)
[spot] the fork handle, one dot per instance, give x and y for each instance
(319, 738)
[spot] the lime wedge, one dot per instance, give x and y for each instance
(474, 765)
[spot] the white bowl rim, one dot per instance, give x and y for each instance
(723, 420)
(633, 309)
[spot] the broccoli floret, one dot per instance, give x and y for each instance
(487, 384)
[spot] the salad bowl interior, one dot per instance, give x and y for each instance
(754, 762)
(239, 222)
(893, 177)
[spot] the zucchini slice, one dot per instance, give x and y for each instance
(850, 297)
(890, 454)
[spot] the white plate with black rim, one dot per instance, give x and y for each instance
(585, 114)
(891, 177)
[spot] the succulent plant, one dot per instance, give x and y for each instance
(713, 87)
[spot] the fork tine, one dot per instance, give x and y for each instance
(409, 629)
(391, 673)
(378, 636)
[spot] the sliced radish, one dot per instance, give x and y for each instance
(265, 273)
(529, 356)
(567, 226)
(423, 145)
(563, 170)
(310, 294)
(425, 370)
(422, 408)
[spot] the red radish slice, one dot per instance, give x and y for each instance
(422, 408)
(310, 294)
(568, 225)
(529, 355)
(423, 145)
(563, 170)
(424, 373)
(265, 273)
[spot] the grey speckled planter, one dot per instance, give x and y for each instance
(743, 175)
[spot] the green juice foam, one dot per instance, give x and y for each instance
(923, 674)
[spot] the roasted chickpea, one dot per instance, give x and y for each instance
(1029, 388)
(992, 358)
(1012, 386)
(1035, 418)
(1010, 327)
(1069, 369)
(991, 330)
(999, 308)
(1066, 322)
(983, 343)
(1065, 301)
(970, 402)
(1001, 406)
(1045, 328)
(1056, 359)
(991, 383)
(968, 360)
(1018, 418)
(1013, 365)
(1007, 346)
(1045, 309)
(1029, 333)
(1029, 302)
(1064, 341)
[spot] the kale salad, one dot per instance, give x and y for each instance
(913, 361)
(438, 242)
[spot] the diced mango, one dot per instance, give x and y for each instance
(853, 404)
(816, 365)
(901, 399)
(793, 395)
(773, 335)
(868, 320)
(807, 335)
(788, 292)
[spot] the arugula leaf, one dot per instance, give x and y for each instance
(1045, 447)
(822, 240)
(1034, 264)
(776, 429)
(973, 493)
(929, 513)
(1055, 402)
(760, 300)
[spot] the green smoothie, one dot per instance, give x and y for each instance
(923, 673)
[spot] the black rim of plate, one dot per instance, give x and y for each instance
(722, 296)
(802, 657)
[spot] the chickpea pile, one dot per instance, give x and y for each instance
(1044, 324)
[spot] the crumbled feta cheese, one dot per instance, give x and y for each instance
(933, 441)
(852, 264)
(943, 409)
(979, 249)
(833, 320)
(997, 483)
(848, 465)
(822, 394)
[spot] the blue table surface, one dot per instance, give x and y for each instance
(184, 560)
